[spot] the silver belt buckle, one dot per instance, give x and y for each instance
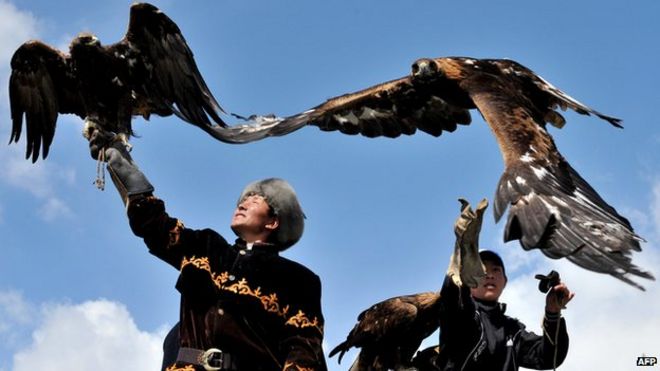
(207, 356)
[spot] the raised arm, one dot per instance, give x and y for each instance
(166, 237)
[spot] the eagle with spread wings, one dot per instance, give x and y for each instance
(150, 71)
(551, 207)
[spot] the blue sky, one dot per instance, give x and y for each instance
(380, 211)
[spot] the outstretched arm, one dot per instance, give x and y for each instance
(465, 267)
(459, 324)
(166, 237)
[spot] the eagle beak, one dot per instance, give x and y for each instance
(424, 69)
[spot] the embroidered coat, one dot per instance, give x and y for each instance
(262, 308)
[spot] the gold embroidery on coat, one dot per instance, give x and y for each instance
(269, 302)
(201, 263)
(185, 368)
(175, 232)
(301, 320)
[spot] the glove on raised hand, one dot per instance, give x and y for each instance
(125, 174)
(465, 266)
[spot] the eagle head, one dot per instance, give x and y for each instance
(84, 40)
(425, 70)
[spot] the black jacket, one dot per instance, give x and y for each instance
(262, 308)
(479, 336)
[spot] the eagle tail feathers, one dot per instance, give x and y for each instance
(256, 127)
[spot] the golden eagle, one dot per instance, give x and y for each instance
(550, 206)
(390, 332)
(150, 71)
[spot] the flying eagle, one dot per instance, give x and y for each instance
(150, 71)
(390, 332)
(550, 206)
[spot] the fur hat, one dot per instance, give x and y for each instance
(281, 197)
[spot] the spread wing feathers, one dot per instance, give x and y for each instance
(389, 109)
(174, 79)
(555, 210)
(40, 86)
(548, 94)
(391, 331)
(150, 71)
(552, 207)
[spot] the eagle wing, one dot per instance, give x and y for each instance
(40, 87)
(170, 79)
(551, 206)
(546, 94)
(389, 323)
(389, 109)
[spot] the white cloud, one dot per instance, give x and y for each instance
(15, 313)
(16, 318)
(14, 309)
(16, 27)
(39, 179)
(95, 335)
(610, 323)
(53, 209)
(655, 210)
(21, 173)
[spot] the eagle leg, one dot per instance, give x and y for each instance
(92, 124)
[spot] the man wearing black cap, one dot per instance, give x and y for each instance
(475, 334)
(243, 306)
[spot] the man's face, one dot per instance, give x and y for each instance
(490, 288)
(252, 220)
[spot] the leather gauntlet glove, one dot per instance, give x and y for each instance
(125, 174)
(465, 266)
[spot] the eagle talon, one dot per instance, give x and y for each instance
(123, 139)
(91, 125)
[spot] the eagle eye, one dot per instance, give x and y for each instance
(415, 68)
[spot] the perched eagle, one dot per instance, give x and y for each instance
(150, 71)
(390, 332)
(550, 206)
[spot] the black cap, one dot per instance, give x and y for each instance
(493, 257)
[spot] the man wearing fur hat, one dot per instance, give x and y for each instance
(243, 306)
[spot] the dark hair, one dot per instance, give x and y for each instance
(493, 257)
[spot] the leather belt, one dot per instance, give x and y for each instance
(212, 359)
